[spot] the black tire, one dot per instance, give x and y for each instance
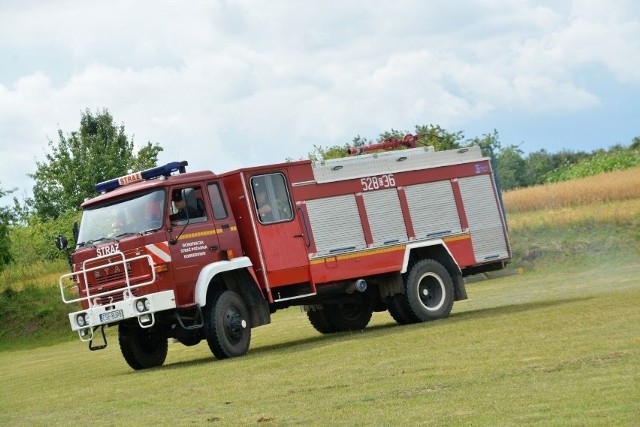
(351, 315)
(321, 321)
(400, 311)
(188, 338)
(227, 327)
(429, 290)
(142, 348)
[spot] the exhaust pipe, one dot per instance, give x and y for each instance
(359, 285)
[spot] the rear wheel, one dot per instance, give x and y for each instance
(226, 324)
(351, 315)
(142, 348)
(400, 311)
(321, 322)
(429, 290)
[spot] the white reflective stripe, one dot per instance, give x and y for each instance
(160, 251)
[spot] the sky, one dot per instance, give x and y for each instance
(229, 84)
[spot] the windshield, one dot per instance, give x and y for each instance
(139, 214)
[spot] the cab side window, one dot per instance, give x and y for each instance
(217, 204)
(187, 204)
(272, 199)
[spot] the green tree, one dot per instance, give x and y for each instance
(437, 137)
(6, 218)
(98, 151)
(568, 157)
(321, 153)
(537, 165)
(490, 143)
(508, 161)
(510, 169)
(34, 242)
(428, 135)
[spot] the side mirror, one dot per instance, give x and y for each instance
(61, 242)
(76, 231)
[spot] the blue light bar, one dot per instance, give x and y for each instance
(165, 170)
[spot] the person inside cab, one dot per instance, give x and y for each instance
(274, 208)
(264, 208)
(181, 208)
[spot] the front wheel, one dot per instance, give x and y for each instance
(142, 348)
(226, 324)
(429, 290)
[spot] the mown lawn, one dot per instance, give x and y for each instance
(553, 347)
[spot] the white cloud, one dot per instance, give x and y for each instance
(230, 83)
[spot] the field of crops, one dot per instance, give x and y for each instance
(609, 187)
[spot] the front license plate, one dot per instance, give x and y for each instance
(111, 316)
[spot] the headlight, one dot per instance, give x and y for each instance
(142, 305)
(81, 320)
(147, 304)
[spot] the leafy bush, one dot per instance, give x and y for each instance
(600, 162)
(34, 242)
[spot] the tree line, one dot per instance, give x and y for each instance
(514, 168)
(100, 150)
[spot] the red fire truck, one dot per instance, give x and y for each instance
(164, 253)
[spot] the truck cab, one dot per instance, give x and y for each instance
(141, 251)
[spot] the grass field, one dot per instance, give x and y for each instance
(557, 345)
(560, 348)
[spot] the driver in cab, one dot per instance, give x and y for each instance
(182, 210)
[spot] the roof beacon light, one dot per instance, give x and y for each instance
(165, 170)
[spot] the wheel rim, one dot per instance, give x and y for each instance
(431, 291)
(234, 324)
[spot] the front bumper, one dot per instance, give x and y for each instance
(143, 308)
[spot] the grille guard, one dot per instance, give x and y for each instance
(93, 299)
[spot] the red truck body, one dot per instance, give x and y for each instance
(392, 231)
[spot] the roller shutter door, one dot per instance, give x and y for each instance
(335, 223)
(484, 217)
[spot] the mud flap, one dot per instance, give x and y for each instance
(459, 288)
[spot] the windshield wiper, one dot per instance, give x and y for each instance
(93, 242)
(151, 230)
(128, 233)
